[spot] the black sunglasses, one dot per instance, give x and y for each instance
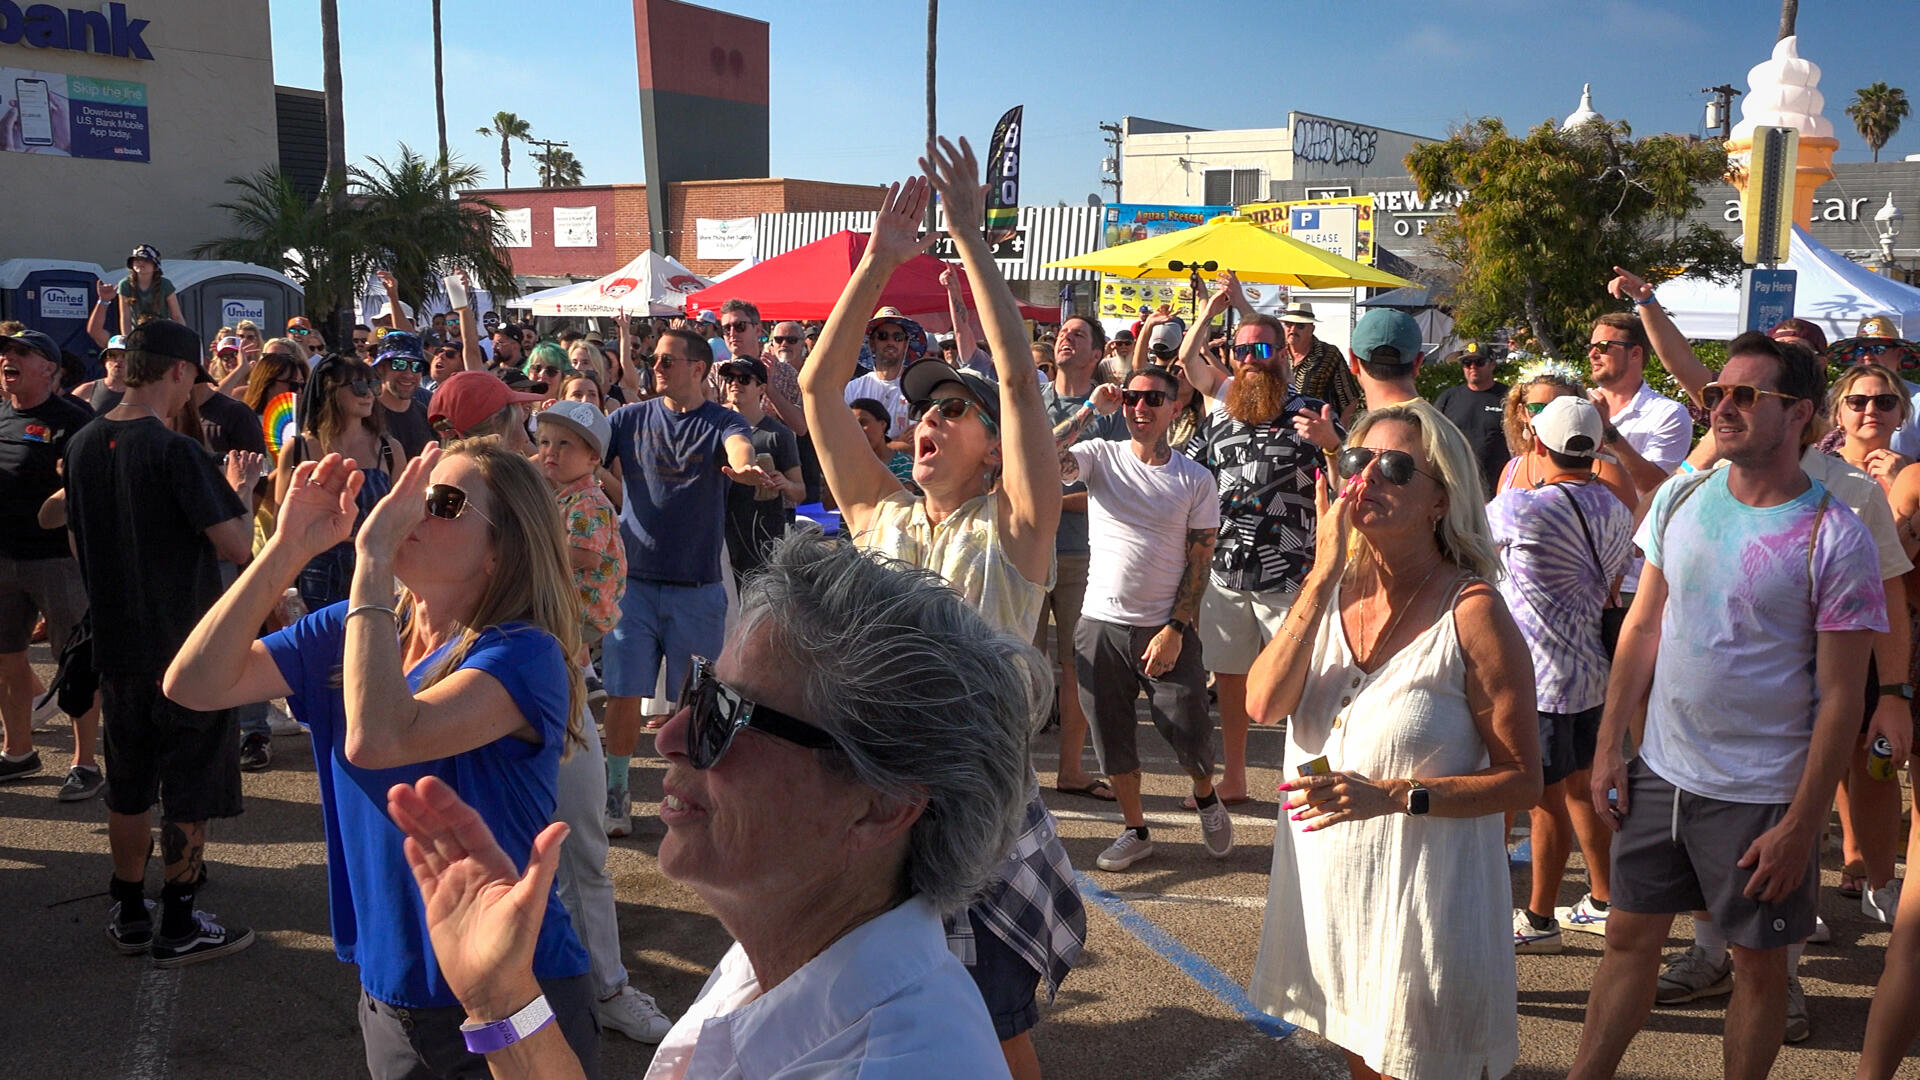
(895, 336)
(951, 408)
(1475, 360)
(1603, 346)
(718, 712)
(1744, 397)
(539, 371)
(447, 502)
(783, 339)
(1260, 350)
(1396, 466)
(295, 385)
(1880, 402)
(736, 327)
(1153, 398)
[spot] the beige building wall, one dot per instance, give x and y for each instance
(210, 115)
(1169, 167)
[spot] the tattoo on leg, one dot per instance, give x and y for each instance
(178, 848)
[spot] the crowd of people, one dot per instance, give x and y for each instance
(1543, 597)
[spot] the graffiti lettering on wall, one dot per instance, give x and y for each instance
(1330, 142)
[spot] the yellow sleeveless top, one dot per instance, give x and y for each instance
(965, 549)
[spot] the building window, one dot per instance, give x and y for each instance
(1231, 187)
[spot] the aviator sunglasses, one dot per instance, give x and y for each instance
(718, 712)
(447, 503)
(1396, 466)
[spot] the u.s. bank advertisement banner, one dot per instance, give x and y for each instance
(46, 112)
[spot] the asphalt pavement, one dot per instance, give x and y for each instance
(1171, 945)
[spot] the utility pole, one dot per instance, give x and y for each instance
(546, 173)
(1110, 167)
(1720, 109)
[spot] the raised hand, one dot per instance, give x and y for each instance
(896, 229)
(483, 914)
(955, 174)
(1105, 399)
(319, 509)
(387, 281)
(1628, 285)
(1330, 530)
(244, 468)
(1317, 428)
(400, 510)
(951, 280)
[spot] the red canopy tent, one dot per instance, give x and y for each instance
(806, 282)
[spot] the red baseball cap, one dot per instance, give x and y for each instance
(466, 399)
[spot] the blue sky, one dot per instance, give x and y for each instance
(848, 92)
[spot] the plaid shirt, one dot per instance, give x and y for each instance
(782, 379)
(1031, 904)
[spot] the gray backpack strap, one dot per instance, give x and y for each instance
(1813, 545)
(1681, 496)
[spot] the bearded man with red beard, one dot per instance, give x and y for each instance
(1264, 446)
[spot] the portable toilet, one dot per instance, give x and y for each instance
(53, 296)
(215, 293)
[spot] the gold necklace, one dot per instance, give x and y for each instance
(1394, 624)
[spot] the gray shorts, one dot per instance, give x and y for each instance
(1107, 663)
(1678, 851)
(31, 587)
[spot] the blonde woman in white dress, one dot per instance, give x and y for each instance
(1388, 925)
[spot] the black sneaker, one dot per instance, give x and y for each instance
(19, 770)
(208, 940)
(134, 936)
(256, 752)
(83, 783)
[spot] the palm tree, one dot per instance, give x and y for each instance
(933, 27)
(334, 190)
(506, 127)
(316, 242)
(559, 168)
(439, 83)
(1876, 113)
(419, 234)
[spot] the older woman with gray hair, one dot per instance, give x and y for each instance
(853, 766)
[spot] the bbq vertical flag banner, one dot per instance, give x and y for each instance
(1003, 178)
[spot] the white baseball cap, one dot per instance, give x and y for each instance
(1570, 425)
(583, 419)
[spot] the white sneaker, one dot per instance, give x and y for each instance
(1881, 903)
(1216, 829)
(1528, 940)
(1124, 852)
(1822, 933)
(1691, 976)
(619, 812)
(280, 722)
(635, 1015)
(1582, 916)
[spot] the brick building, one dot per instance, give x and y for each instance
(621, 227)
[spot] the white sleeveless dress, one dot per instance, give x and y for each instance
(1392, 937)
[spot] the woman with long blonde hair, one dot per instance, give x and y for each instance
(1412, 735)
(466, 675)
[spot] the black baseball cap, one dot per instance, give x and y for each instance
(38, 342)
(171, 340)
(922, 376)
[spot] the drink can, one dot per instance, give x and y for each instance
(1880, 764)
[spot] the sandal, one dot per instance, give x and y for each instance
(1853, 878)
(1093, 789)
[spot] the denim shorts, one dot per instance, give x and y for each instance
(661, 622)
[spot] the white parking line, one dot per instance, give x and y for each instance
(154, 1005)
(1257, 903)
(1163, 821)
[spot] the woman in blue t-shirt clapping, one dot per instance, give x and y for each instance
(465, 676)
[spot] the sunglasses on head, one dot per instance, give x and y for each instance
(1880, 402)
(1259, 350)
(1744, 397)
(717, 713)
(447, 502)
(951, 408)
(1396, 466)
(1153, 398)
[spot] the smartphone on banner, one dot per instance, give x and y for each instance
(36, 111)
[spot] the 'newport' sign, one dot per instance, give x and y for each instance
(43, 26)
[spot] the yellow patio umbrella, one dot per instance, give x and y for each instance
(1236, 243)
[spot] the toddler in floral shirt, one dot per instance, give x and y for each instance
(573, 438)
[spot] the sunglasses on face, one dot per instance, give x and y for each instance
(295, 385)
(1744, 397)
(737, 327)
(298, 331)
(447, 503)
(399, 363)
(362, 385)
(1476, 361)
(662, 360)
(1259, 350)
(717, 713)
(895, 336)
(1603, 346)
(1396, 466)
(739, 379)
(1880, 402)
(1153, 398)
(952, 408)
(780, 339)
(541, 371)
(1535, 408)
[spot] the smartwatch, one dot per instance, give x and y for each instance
(1182, 626)
(1416, 797)
(485, 1038)
(1900, 690)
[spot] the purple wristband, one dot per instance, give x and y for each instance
(485, 1038)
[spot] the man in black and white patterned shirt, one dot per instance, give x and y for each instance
(1263, 445)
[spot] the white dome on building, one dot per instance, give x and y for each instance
(1584, 113)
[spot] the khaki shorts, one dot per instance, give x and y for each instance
(1063, 604)
(1235, 624)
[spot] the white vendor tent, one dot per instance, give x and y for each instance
(747, 263)
(652, 284)
(1833, 292)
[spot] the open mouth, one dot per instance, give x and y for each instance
(924, 447)
(10, 371)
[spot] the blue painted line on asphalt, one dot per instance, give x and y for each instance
(1190, 963)
(1521, 855)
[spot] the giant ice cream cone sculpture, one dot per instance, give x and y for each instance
(1785, 92)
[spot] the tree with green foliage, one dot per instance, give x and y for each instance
(1547, 216)
(559, 168)
(312, 241)
(1876, 113)
(506, 127)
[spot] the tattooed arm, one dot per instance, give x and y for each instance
(1164, 650)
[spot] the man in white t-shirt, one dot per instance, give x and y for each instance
(891, 336)
(1747, 647)
(1153, 515)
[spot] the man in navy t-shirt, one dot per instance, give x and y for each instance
(675, 455)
